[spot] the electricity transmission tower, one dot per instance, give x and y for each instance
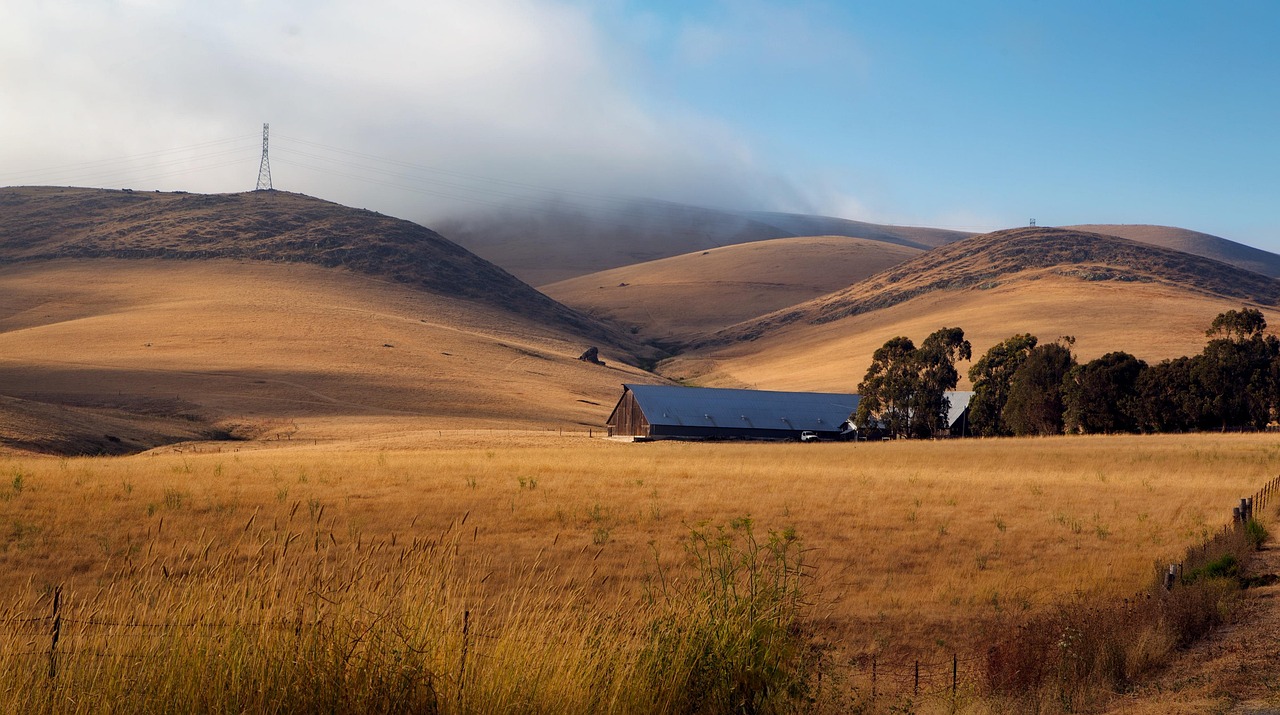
(264, 169)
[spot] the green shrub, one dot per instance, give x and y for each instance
(729, 641)
(1256, 533)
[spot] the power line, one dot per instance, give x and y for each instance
(99, 166)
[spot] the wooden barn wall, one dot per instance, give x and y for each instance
(628, 420)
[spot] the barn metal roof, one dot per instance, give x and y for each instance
(749, 409)
(959, 403)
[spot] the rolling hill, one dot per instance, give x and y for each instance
(154, 318)
(1111, 293)
(44, 223)
(555, 242)
(680, 298)
(1195, 243)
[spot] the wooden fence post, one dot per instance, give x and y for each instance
(873, 678)
(57, 631)
(955, 672)
(916, 691)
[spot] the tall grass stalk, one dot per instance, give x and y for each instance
(279, 627)
(728, 637)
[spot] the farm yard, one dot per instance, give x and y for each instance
(515, 571)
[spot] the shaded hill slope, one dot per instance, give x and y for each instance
(40, 427)
(559, 241)
(1194, 242)
(46, 223)
(682, 297)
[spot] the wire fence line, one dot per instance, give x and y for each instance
(880, 676)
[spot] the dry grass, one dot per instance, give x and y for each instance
(913, 542)
(1194, 242)
(235, 343)
(680, 298)
(1150, 320)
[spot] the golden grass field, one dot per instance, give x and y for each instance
(912, 543)
(682, 297)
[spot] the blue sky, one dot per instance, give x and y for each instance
(1070, 112)
(974, 115)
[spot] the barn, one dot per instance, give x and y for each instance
(674, 412)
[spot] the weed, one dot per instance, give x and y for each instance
(1255, 533)
(729, 640)
(173, 498)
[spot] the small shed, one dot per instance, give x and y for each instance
(674, 412)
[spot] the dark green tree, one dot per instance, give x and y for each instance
(1101, 396)
(991, 377)
(1035, 403)
(903, 390)
(885, 392)
(936, 363)
(1238, 325)
(1234, 372)
(1169, 398)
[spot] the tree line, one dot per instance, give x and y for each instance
(1025, 387)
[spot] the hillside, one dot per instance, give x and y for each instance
(45, 223)
(555, 242)
(680, 298)
(808, 225)
(1111, 293)
(1193, 242)
(130, 323)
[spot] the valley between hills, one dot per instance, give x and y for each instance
(138, 319)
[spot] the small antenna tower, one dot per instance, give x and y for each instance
(264, 158)
(264, 169)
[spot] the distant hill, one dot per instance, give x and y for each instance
(806, 225)
(45, 223)
(1111, 293)
(983, 261)
(680, 298)
(561, 241)
(133, 320)
(1194, 242)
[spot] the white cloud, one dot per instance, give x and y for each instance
(520, 90)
